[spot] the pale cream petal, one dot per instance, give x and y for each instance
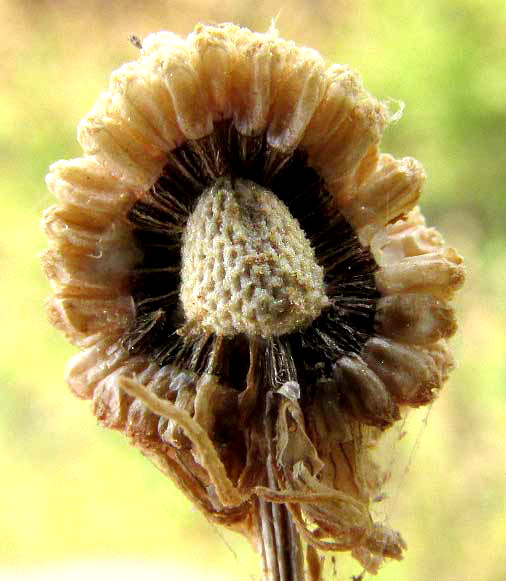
(415, 318)
(89, 366)
(251, 82)
(297, 85)
(364, 394)
(408, 236)
(363, 172)
(84, 222)
(412, 375)
(93, 257)
(346, 125)
(119, 146)
(59, 226)
(141, 97)
(118, 106)
(350, 141)
(443, 359)
(78, 316)
(85, 184)
(391, 190)
(168, 57)
(110, 403)
(148, 94)
(156, 43)
(407, 223)
(439, 273)
(343, 89)
(107, 265)
(65, 271)
(213, 55)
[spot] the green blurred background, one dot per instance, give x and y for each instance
(76, 502)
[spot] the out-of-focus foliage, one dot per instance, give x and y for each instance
(71, 491)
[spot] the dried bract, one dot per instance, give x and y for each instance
(253, 290)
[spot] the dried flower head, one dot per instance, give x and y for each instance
(254, 292)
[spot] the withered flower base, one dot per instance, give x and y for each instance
(254, 291)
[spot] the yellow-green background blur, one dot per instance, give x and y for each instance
(77, 501)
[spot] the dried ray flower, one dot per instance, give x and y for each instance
(254, 292)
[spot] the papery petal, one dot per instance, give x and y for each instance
(141, 97)
(297, 91)
(89, 366)
(408, 236)
(349, 141)
(119, 146)
(84, 184)
(251, 82)
(168, 56)
(415, 318)
(110, 403)
(77, 316)
(362, 174)
(364, 394)
(439, 273)
(106, 265)
(391, 190)
(214, 56)
(65, 226)
(343, 89)
(411, 374)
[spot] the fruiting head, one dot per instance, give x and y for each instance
(247, 266)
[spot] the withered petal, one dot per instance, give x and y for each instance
(438, 273)
(415, 318)
(390, 191)
(364, 393)
(413, 375)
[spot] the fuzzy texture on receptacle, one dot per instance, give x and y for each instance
(247, 266)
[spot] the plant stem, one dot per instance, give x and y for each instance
(282, 553)
(281, 545)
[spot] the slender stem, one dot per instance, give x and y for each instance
(282, 553)
(281, 546)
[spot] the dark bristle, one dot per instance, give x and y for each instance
(147, 327)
